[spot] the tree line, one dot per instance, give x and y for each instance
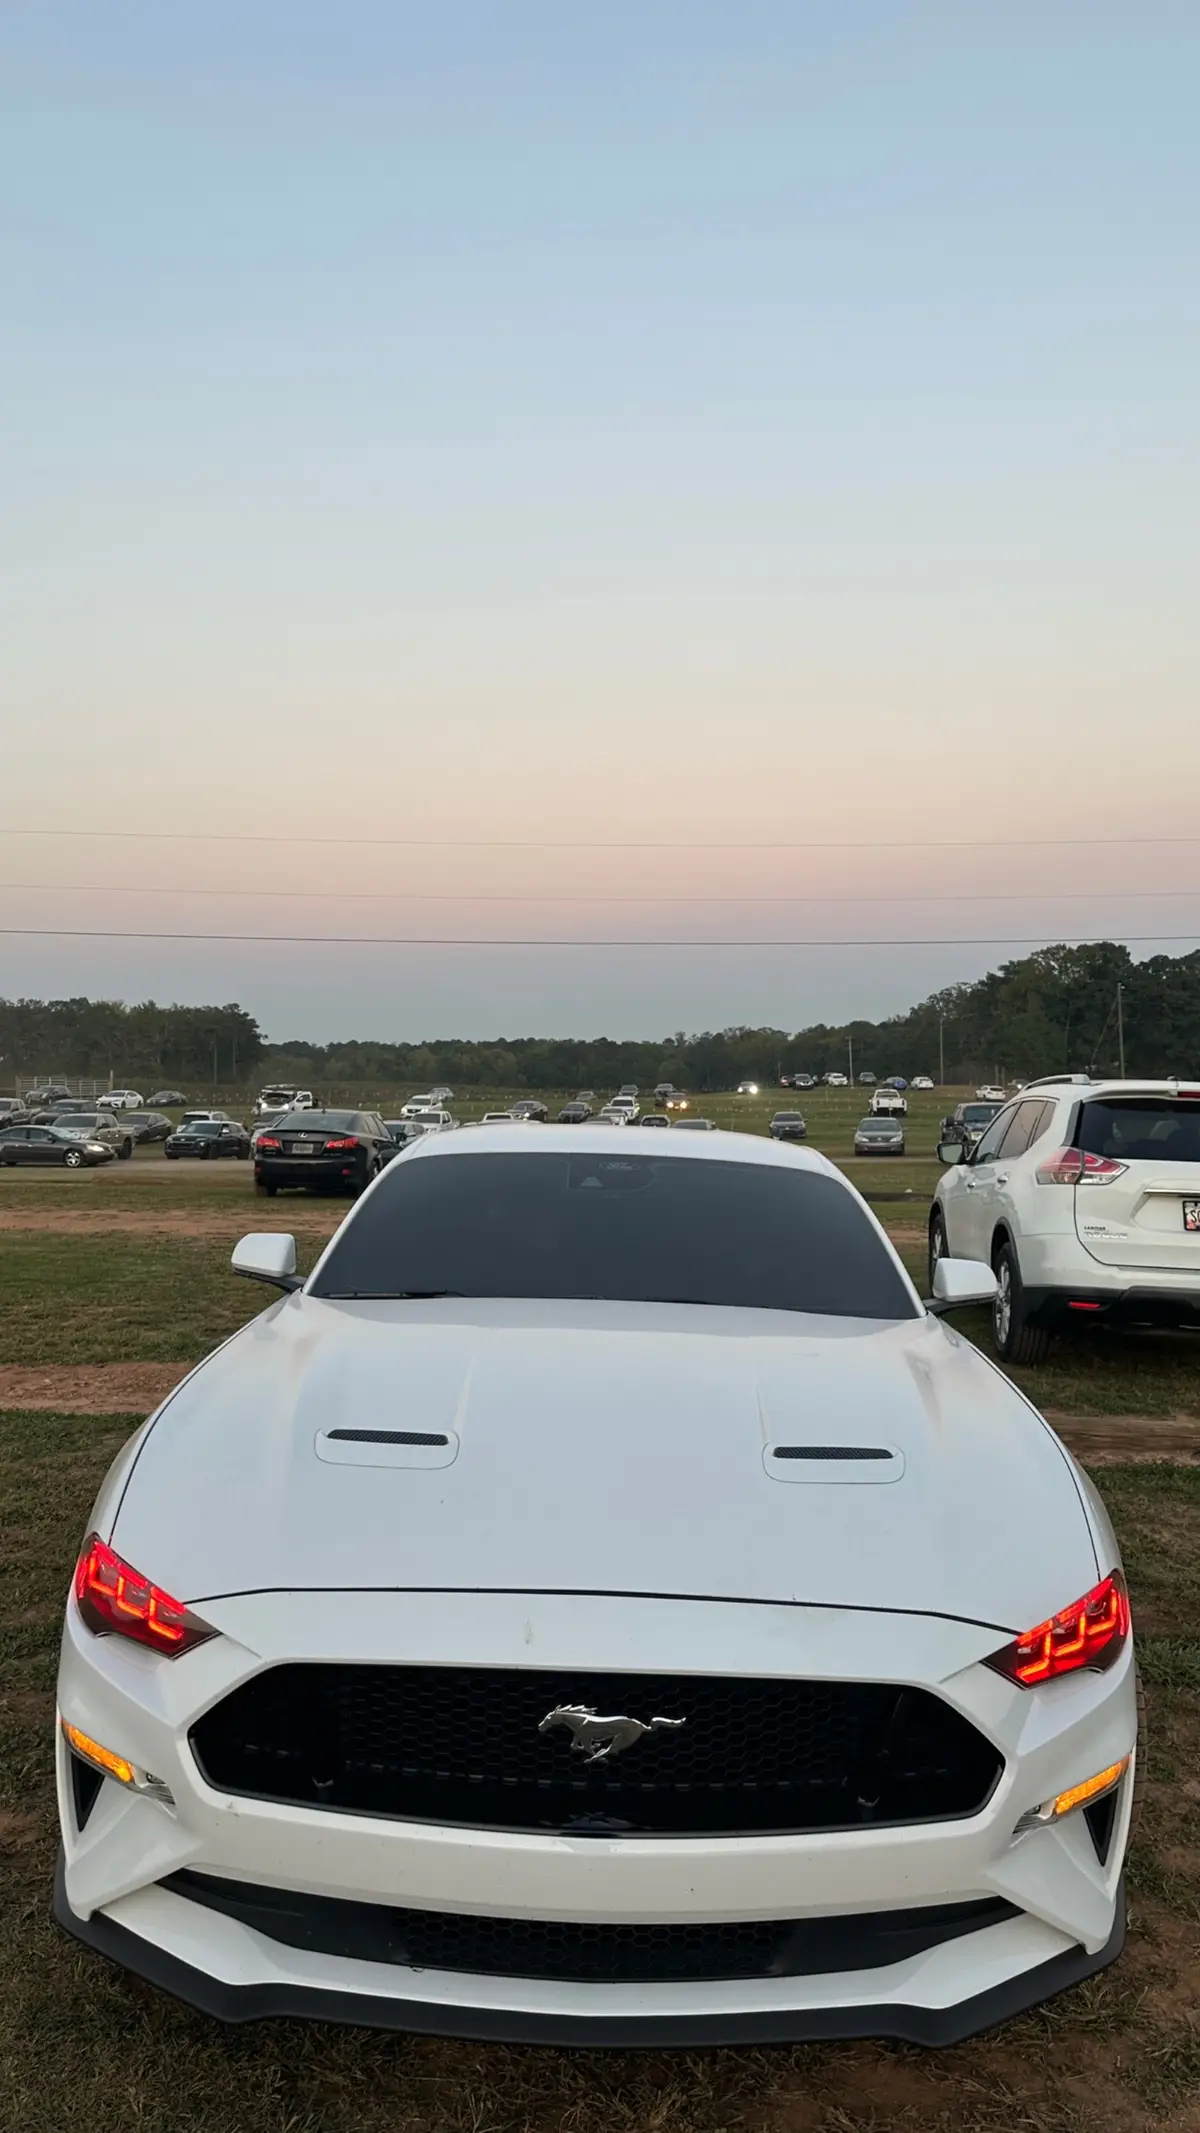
(1060, 1009)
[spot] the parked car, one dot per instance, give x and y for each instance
(1085, 1201)
(12, 1108)
(531, 1110)
(896, 1081)
(677, 1101)
(504, 1595)
(441, 1094)
(628, 1088)
(107, 1126)
(334, 1150)
(50, 1092)
(654, 1118)
(747, 1088)
(694, 1125)
(921, 1081)
(877, 1135)
(265, 1125)
(967, 1123)
(282, 1096)
(148, 1125)
(788, 1126)
(574, 1115)
(45, 1144)
(172, 1098)
(836, 1081)
(496, 1118)
(121, 1100)
(990, 1093)
(888, 1102)
(208, 1139)
(627, 1104)
(867, 1081)
(586, 1096)
(613, 1114)
(418, 1103)
(804, 1081)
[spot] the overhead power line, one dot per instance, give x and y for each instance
(439, 940)
(620, 844)
(571, 896)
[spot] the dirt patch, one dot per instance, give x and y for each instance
(209, 1223)
(89, 1388)
(1105, 1440)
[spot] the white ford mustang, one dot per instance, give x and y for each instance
(601, 1605)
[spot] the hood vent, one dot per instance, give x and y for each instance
(387, 1447)
(832, 1464)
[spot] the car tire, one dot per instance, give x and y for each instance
(73, 1160)
(938, 1248)
(243, 1155)
(171, 1155)
(270, 1191)
(125, 1151)
(1015, 1340)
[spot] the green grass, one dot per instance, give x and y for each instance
(80, 1300)
(84, 2046)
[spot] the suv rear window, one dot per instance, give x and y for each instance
(1142, 1129)
(635, 1229)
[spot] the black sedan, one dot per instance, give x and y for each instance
(174, 1097)
(148, 1125)
(45, 1144)
(788, 1126)
(339, 1151)
(208, 1139)
(574, 1114)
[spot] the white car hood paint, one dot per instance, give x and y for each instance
(608, 1447)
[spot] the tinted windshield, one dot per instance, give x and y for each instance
(979, 1114)
(639, 1229)
(1144, 1129)
(203, 1129)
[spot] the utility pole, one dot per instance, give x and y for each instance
(850, 1054)
(941, 1051)
(1120, 1033)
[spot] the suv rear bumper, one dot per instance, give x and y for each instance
(1133, 1305)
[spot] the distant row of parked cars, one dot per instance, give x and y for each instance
(835, 1080)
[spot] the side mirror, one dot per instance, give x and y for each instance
(951, 1152)
(960, 1281)
(266, 1256)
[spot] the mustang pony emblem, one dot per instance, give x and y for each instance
(599, 1738)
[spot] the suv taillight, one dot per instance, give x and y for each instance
(1073, 1166)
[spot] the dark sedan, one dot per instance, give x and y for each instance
(174, 1097)
(788, 1126)
(338, 1151)
(208, 1139)
(574, 1114)
(148, 1125)
(45, 1144)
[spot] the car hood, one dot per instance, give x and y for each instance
(604, 1447)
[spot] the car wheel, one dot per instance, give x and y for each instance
(125, 1151)
(73, 1159)
(243, 1155)
(171, 1155)
(1015, 1339)
(937, 1245)
(270, 1191)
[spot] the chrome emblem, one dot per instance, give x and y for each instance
(598, 1739)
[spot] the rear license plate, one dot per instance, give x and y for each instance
(302, 1148)
(1191, 1216)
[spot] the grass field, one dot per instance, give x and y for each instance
(82, 2045)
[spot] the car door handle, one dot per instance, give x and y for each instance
(970, 1183)
(1002, 1177)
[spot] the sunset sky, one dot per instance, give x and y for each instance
(677, 472)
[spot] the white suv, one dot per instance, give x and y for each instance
(1085, 1199)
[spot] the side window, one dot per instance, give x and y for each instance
(988, 1147)
(1020, 1130)
(1044, 1121)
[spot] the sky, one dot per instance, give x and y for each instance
(692, 474)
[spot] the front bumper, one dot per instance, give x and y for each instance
(1065, 1920)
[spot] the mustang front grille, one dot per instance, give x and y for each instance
(464, 1745)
